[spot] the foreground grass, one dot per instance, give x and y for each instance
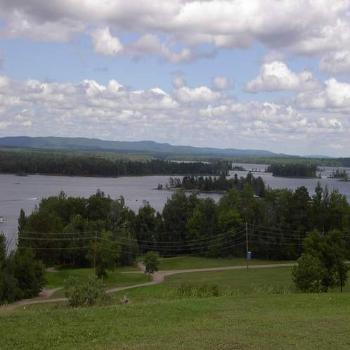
(193, 262)
(293, 321)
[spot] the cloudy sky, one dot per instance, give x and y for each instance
(266, 74)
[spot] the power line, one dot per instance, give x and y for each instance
(56, 239)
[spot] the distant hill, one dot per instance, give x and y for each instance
(86, 144)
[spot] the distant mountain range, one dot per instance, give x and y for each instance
(87, 144)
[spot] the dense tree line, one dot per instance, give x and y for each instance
(293, 169)
(344, 162)
(218, 183)
(80, 231)
(21, 275)
(99, 230)
(81, 165)
(340, 174)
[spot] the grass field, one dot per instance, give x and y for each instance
(114, 278)
(193, 262)
(293, 321)
(255, 309)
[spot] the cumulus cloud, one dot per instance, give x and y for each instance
(333, 95)
(151, 44)
(185, 115)
(105, 43)
(302, 26)
(276, 76)
(336, 62)
(199, 94)
(21, 24)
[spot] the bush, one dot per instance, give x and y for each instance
(308, 275)
(151, 262)
(188, 290)
(87, 293)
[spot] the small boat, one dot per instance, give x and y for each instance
(2, 220)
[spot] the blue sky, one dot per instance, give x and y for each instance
(258, 74)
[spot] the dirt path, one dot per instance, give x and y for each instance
(157, 277)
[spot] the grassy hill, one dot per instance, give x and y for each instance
(255, 309)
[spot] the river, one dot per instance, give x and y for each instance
(18, 192)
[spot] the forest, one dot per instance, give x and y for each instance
(78, 231)
(51, 163)
(218, 184)
(340, 174)
(292, 169)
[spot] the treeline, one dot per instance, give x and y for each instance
(21, 275)
(51, 163)
(220, 183)
(340, 174)
(102, 231)
(292, 169)
(344, 162)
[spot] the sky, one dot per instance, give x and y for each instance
(257, 74)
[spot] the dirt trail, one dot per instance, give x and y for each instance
(157, 277)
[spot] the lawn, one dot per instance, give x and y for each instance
(231, 282)
(115, 278)
(193, 262)
(291, 321)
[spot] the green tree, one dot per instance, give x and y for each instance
(151, 262)
(104, 254)
(329, 250)
(2, 250)
(29, 272)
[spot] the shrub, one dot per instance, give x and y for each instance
(309, 273)
(87, 293)
(151, 262)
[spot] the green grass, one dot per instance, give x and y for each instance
(192, 262)
(250, 314)
(293, 321)
(116, 278)
(262, 281)
(231, 282)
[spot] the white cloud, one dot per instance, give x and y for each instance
(3, 82)
(20, 24)
(199, 94)
(150, 44)
(336, 62)
(104, 43)
(196, 115)
(305, 27)
(276, 76)
(333, 95)
(221, 83)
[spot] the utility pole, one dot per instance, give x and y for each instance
(95, 249)
(246, 243)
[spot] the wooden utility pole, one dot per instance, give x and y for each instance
(246, 244)
(95, 251)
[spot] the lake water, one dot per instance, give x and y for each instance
(18, 192)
